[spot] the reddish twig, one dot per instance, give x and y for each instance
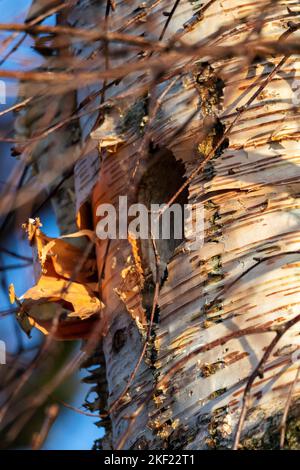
(77, 410)
(38, 439)
(286, 409)
(258, 372)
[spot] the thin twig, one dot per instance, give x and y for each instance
(87, 34)
(170, 16)
(77, 410)
(38, 439)
(15, 255)
(258, 372)
(286, 409)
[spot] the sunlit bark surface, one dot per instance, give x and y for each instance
(189, 386)
(246, 274)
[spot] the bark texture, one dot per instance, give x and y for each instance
(187, 392)
(246, 274)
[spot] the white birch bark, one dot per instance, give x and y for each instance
(190, 383)
(246, 274)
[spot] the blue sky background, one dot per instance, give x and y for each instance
(71, 430)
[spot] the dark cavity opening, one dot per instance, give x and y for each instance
(162, 179)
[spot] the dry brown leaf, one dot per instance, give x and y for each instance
(83, 302)
(58, 303)
(59, 257)
(69, 329)
(55, 256)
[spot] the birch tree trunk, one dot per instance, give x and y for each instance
(228, 126)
